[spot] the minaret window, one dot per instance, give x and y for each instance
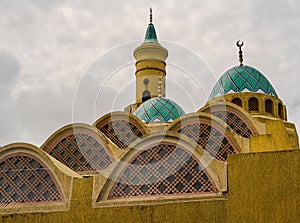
(237, 101)
(146, 81)
(253, 104)
(146, 95)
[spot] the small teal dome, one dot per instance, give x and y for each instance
(159, 110)
(242, 79)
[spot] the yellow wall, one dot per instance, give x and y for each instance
(262, 187)
(277, 138)
(153, 70)
(81, 211)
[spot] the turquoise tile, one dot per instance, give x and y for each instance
(150, 34)
(240, 78)
(159, 109)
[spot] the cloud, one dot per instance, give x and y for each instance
(9, 68)
(9, 72)
(48, 46)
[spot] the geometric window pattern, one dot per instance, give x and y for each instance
(121, 132)
(235, 122)
(24, 179)
(81, 153)
(253, 104)
(162, 169)
(209, 138)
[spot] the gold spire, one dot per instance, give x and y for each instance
(239, 45)
(150, 15)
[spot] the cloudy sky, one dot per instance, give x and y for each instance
(65, 61)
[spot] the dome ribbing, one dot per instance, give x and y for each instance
(242, 79)
(159, 110)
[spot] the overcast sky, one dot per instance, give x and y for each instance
(71, 61)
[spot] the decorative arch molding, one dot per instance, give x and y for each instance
(161, 167)
(81, 147)
(121, 128)
(240, 121)
(211, 133)
(30, 179)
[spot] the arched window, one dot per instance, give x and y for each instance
(237, 101)
(209, 138)
(280, 110)
(121, 132)
(235, 122)
(146, 95)
(25, 179)
(253, 104)
(269, 106)
(161, 170)
(81, 153)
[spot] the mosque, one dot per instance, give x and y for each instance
(236, 159)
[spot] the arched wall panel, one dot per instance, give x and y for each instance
(210, 139)
(235, 122)
(82, 153)
(162, 169)
(121, 128)
(26, 179)
(80, 147)
(233, 117)
(212, 134)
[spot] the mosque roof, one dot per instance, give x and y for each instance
(159, 109)
(242, 79)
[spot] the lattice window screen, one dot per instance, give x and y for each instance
(210, 139)
(121, 132)
(163, 169)
(25, 180)
(235, 122)
(82, 153)
(253, 104)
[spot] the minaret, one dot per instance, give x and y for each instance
(150, 66)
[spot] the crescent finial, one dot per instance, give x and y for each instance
(240, 43)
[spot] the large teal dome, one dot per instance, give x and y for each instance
(159, 110)
(242, 79)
